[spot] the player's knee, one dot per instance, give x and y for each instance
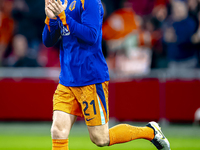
(100, 140)
(58, 133)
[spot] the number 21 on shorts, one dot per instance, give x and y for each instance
(92, 103)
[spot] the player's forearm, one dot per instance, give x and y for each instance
(51, 33)
(83, 32)
(50, 38)
(91, 16)
(86, 31)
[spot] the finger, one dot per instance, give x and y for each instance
(52, 1)
(53, 5)
(46, 2)
(59, 2)
(49, 13)
(65, 4)
(51, 8)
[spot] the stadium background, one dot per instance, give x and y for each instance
(151, 79)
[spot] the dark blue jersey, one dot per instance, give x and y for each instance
(80, 28)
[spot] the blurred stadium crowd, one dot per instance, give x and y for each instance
(138, 35)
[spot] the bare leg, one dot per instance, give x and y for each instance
(62, 124)
(99, 135)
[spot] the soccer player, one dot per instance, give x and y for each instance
(84, 78)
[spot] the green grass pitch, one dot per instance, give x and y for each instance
(36, 136)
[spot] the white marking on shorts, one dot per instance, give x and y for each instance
(103, 121)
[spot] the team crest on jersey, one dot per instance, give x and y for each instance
(72, 6)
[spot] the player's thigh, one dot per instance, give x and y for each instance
(94, 103)
(64, 100)
(99, 133)
(62, 124)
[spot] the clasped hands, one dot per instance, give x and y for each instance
(54, 7)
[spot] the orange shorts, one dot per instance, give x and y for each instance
(89, 101)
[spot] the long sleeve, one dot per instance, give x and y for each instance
(89, 28)
(81, 60)
(51, 32)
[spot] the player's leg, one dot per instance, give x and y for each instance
(96, 113)
(61, 126)
(95, 109)
(66, 108)
(122, 133)
(94, 103)
(62, 123)
(99, 135)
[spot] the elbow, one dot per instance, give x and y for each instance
(47, 42)
(46, 38)
(93, 37)
(92, 41)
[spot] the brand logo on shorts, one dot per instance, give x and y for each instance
(89, 119)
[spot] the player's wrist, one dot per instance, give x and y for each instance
(62, 17)
(50, 21)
